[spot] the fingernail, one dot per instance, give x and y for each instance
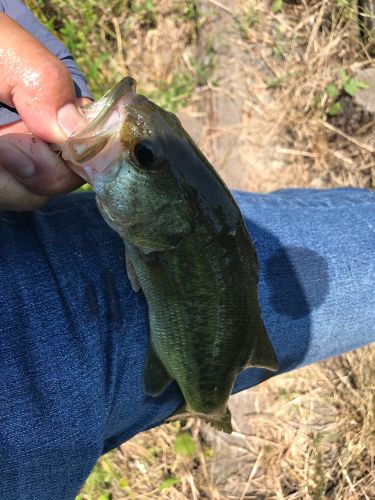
(15, 161)
(69, 118)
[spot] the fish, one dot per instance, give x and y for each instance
(187, 249)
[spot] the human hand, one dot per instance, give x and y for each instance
(39, 86)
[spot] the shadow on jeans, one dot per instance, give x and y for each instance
(293, 281)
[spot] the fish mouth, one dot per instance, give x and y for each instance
(108, 109)
(94, 150)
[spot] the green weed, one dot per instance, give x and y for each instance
(178, 90)
(168, 482)
(335, 109)
(249, 17)
(79, 30)
(328, 101)
(277, 6)
(100, 35)
(278, 42)
(146, 13)
(351, 85)
(184, 445)
(102, 479)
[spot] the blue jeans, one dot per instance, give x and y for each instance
(73, 334)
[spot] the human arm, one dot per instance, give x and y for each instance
(41, 80)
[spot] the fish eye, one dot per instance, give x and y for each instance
(145, 153)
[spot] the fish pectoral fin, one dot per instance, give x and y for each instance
(263, 355)
(133, 278)
(145, 251)
(155, 378)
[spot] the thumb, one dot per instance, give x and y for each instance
(36, 83)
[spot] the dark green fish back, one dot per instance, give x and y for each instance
(204, 315)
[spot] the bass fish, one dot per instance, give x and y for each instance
(187, 248)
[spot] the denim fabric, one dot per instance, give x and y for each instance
(17, 11)
(73, 334)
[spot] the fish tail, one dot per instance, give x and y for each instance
(221, 422)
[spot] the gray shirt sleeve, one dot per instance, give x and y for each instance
(22, 15)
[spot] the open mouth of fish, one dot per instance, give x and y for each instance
(94, 150)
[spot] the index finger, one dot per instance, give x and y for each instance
(36, 83)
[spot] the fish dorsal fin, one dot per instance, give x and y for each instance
(156, 378)
(263, 355)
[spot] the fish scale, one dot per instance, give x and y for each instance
(199, 328)
(187, 249)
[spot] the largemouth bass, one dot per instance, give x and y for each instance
(187, 248)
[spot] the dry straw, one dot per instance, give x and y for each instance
(312, 431)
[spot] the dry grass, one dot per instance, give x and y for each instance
(313, 435)
(303, 51)
(316, 439)
(151, 458)
(155, 42)
(312, 431)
